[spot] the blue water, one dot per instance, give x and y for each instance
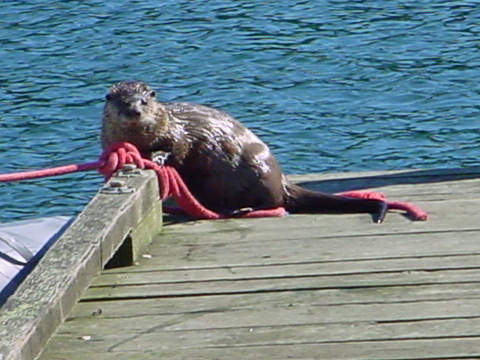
(331, 85)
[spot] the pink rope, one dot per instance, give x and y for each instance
(172, 185)
(60, 170)
(413, 211)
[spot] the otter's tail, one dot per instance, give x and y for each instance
(300, 200)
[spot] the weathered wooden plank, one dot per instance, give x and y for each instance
(449, 348)
(444, 216)
(334, 182)
(172, 253)
(410, 294)
(289, 283)
(160, 336)
(435, 175)
(146, 272)
(420, 192)
(289, 313)
(44, 299)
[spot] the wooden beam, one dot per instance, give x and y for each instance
(45, 298)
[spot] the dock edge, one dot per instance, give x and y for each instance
(44, 299)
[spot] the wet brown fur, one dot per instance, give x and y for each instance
(224, 164)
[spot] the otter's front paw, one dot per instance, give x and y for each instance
(379, 215)
(240, 212)
(160, 157)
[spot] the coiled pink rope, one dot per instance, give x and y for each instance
(170, 182)
(172, 185)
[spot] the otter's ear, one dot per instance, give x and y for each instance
(108, 97)
(152, 94)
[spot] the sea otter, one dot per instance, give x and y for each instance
(226, 167)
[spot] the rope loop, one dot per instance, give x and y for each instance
(169, 181)
(117, 155)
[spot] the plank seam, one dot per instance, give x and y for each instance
(263, 291)
(233, 266)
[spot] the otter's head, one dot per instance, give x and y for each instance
(132, 114)
(131, 103)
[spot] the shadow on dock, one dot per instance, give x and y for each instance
(347, 183)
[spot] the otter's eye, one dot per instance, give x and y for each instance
(152, 93)
(108, 97)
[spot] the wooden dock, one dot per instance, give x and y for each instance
(298, 287)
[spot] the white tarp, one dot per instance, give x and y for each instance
(22, 243)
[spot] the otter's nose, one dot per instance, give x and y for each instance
(134, 105)
(133, 110)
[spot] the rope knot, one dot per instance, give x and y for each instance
(117, 155)
(169, 180)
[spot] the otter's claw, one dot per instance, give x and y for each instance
(382, 212)
(160, 157)
(240, 212)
